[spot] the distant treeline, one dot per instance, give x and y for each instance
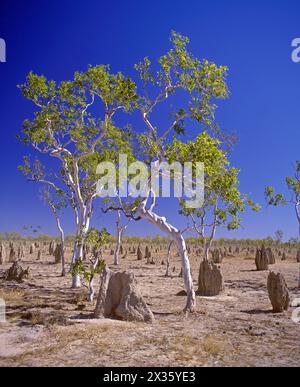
(158, 239)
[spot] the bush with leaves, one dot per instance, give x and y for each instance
(97, 239)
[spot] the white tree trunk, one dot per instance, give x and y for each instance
(168, 259)
(119, 239)
(208, 244)
(91, 294)
(118, 246)
(179, 241)
(62, 241)
(82, 230)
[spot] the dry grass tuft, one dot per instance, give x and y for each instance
(79, 298)
(214, 345)
(38, 318)
(12, 295)
(194, 351)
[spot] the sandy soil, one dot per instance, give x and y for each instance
(49, 324)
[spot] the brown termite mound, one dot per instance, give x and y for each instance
(298, 256)
(217, 256)
(2, 254)
(278, 292)
(52, 247)
(57, 253)
(119, 297)
(139, 254)
(21, 253)
(16, 273)
(261, 259)
(147, 253)
(271, 256)
(210, 280)
(12, 254)
(32, 248)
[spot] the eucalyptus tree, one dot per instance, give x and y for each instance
(57, 203)
(121, 228)
(279, 236)
(192, 85)
(293, 186)
(52, 195)
(73, 139)
(223, 203)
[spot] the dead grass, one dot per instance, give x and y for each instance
(202, 339)
(79, 298)
(37, 317)
(12, 295)
(98, 338)
(214, 345)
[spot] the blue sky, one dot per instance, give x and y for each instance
(253, 39)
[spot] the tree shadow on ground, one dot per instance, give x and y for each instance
(257, 311)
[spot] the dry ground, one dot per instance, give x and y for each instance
(49, 324)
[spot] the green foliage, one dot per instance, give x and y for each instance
(97, 238)
(64, 127)
(113, 89)
(64, 117)
(179, 71)
(272, 198)
(222, 196)
(78, 268)
(293, 185)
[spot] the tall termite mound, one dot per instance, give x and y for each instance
(52, 247)
(298, 256)
(119, 297)
(139, 253)
(261, 259)
(278, 292)
(271, 256)
(12, 253)
(2, 254)
(58, 253)
(210, 280)
(21, 252)
(32, 248)
(217, 256)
